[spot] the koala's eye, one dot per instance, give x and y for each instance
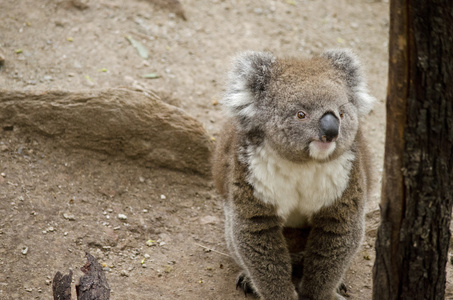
(301, 114)
(341, 114)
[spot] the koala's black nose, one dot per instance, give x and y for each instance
(329, 126)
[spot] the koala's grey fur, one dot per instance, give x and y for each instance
(279, 178)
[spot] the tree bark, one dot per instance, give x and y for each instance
(93, 285)
(61, 286)
(413, 238)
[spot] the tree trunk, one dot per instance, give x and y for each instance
(417, 190)
(92, 286)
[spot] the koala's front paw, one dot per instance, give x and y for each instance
(244, 282)
(342, 290)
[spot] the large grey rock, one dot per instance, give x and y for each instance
(120, 121)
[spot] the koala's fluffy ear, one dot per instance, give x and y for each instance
(345, 61)
(248, 78)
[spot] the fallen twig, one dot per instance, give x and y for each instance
(210, 249)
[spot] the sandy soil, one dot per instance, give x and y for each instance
(56, 204)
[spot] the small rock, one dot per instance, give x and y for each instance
(3, 148)
(24, 250)
(150, 243)
(209, 220)
(147, 256)
(141, 179)
(3, 175)
(122, 217)
(80, 4)
(145, 210)
(163, 197)
(50, 229)
(69, 216)
(48, 281)
(124, 273)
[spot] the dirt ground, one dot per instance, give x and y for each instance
(158, 233)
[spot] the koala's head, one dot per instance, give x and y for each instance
(304, 109)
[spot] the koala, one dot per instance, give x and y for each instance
(293, 169)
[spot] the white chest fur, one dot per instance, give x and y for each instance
(297, 190)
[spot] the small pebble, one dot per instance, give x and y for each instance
(122, 217)
(3, 175)
(124, 273)
(25, 250)
(69, 216)
(163, 197)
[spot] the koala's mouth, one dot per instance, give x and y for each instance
(321, 150)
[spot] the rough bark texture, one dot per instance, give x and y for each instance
(123, 122)
(93, 285)
(386, 280)
(413, 239)
(61, 286)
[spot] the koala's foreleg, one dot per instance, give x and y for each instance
(262, 252)
(334, 238)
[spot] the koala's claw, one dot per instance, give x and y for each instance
(342, 289)
(245, 284)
